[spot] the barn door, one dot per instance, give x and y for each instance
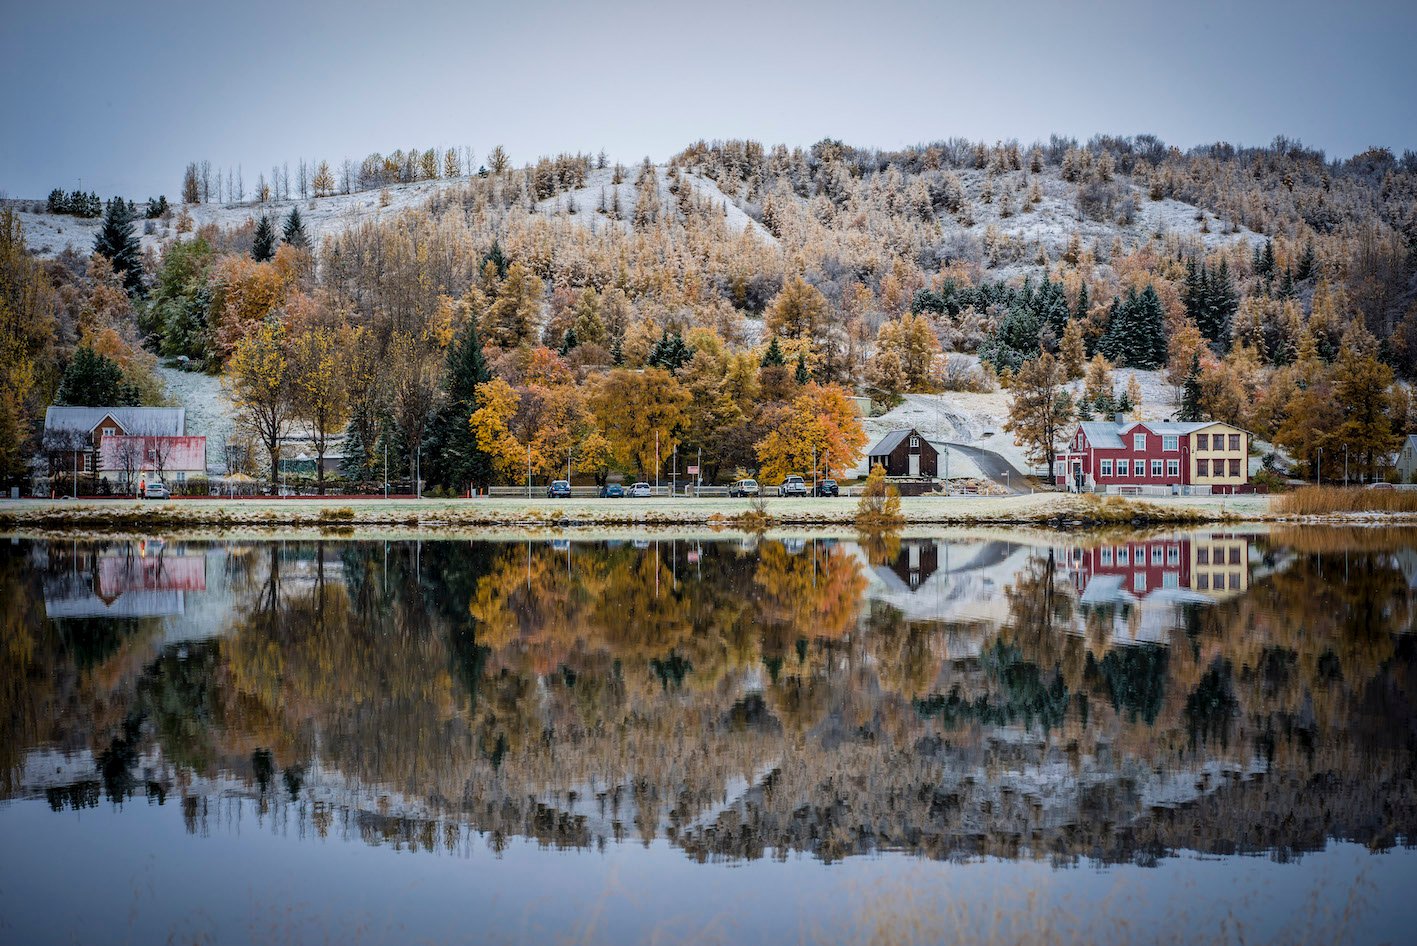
(915, 464)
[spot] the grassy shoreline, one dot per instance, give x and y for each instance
(1043, 509)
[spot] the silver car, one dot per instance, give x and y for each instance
(639, 491)
(157, 491)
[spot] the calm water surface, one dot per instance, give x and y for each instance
(1169, 737)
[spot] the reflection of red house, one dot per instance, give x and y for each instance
(1200, 566)
(121, 573)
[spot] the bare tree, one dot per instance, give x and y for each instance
(240, 186)
(346, 176)
(206, 175)
(128, 455)
(303, 179)
(285, 180)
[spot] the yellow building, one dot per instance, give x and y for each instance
(1218, 454)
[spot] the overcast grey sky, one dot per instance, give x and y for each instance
(121, 95)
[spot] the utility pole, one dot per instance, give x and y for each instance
(656, 461)
(386, 468)
(528, 470)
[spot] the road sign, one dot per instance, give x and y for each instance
(693, 471)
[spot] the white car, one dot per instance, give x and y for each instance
(638, 491)
(157, 491)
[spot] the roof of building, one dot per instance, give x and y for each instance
(152, 421)
(1107, 435)
(890, 441)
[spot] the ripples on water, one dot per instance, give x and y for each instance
(994, 706)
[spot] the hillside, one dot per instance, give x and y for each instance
(924, 278)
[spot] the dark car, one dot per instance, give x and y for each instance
(559, 489)
(612, 491)
(828, 488)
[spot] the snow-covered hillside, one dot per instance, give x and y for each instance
(48, 234)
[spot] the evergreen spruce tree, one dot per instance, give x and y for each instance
(617, 350)
(1124, 403)
(1267, 265)
(295, 230)
(354, 465)
(1191, 393)
(802, 376)
(568, 342)
(117, 241)
(495, 257)
(1221, 303)
(773, 358)
(457, 460)
(1084, 302)
(1308, 264)
(94, 380)
(263, 247)
(1150, 321)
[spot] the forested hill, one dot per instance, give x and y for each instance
(870, 268)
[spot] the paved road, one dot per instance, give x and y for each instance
(995, 467)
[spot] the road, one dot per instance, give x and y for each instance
(995, 467)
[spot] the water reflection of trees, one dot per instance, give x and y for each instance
(746, 701)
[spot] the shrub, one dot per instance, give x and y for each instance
(879, 506)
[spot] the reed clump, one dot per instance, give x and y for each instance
(1337, 500)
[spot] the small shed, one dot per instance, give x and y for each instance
(906, 453)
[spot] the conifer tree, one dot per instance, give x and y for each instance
(294, 232)
(456, 457)
(94, 380)
(773, 358)
(1190, 411)
(801, 376)
(117, 241)
(263, 247)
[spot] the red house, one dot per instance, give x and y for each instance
(1155, 456)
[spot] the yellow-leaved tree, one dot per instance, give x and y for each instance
(822, 425)
(641, 414)
(318, 371)
(491, 425)
(258, 381)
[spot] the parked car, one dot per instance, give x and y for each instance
(792, 485)
(612, 491)
(559, 489)
(1381, 485)
(157, 491)
(640, 491)
(828, 488)
(744, 488)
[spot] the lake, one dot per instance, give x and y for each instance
(993, 736)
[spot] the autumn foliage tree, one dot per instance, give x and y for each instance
(258, 381)
(640, 415)
(820, 425)
(1040, 409)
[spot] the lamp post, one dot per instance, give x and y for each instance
(1345, 464)
(1319, 469)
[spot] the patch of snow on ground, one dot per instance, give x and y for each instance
(209, 410)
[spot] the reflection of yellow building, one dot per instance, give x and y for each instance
(1220, 565)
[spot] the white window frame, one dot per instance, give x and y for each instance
(1156, 468)
(1138, 441)
(1173, 468)
(1171, 442)
(1170, 579)
(1107, 555)
(1106, 468)
(915, 441)
(1138, 581)
(1124, 557)
(110, 432)
(1173, 555)
(1124, 468)
(1156, 554)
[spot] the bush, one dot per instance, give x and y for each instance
(879, 506)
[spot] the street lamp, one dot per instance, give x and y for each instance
(1319, 469)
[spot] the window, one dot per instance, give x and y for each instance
(915, 441)
(1123, 558)
(1218, 555)
(1234, 581)
(109, 431)
(1139, 581)
(1234, 441)
(1234, 558)
(181, 476)
(1202, 441)
(1156, 553)
(1234, 467)
(1123, 467)
(1138, 441)
(1173, 555)
(1106, 467)
(1170, 443)
(1171, 580)
(1173, 468)
(1203, 468)
(1107, 556)
(1156, 468)
(1202, 582)
(1202, 556)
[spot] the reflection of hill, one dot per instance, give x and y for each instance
(763, 700)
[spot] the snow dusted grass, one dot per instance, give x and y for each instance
(336, 513)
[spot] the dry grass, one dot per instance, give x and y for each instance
(1335, 500)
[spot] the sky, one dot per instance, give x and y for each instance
(118, 97)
